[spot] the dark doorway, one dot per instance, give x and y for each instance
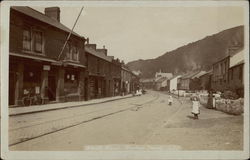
(12, 81)
(86, 89)
(104, 88)
(52, 88)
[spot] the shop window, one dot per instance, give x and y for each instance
(27, 39)
(71, 82)
(31, 79)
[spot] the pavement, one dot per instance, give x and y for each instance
(55, 106)
(143, 122)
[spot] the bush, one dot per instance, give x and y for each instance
(229, 95)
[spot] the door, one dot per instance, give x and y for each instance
(12, 80)
(86, 89)
(52, 88)
(104, 88)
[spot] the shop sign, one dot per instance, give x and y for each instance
(46, 67)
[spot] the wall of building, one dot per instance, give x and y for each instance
(220, 75)
(66, 87)
(236, 79)
(173, 84)
(184, 84)
(53, 38)
(206, 82)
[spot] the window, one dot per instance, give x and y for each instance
(225, 69)
(75, 53)
(38, 41)
(67, 49)
(27, 39)
(98, 66)
(72, 53)
(32, 40)
(232, 74)
(241, 73)
(71, 82)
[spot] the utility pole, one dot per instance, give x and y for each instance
(58, 58)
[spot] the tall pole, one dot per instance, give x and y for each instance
(58, 58)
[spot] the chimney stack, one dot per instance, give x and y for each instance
(53, 12)
(93, 46)
(87, 40)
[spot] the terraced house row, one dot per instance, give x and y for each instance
(81, 72)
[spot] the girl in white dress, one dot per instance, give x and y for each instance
(195, 107)
(170, 100)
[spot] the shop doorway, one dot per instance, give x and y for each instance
(52, 88)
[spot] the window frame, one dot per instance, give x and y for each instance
(29, 29)
(72, 55)
(240, 73)
(32, 49)
(34, 31)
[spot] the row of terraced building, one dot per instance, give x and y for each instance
(82, 72)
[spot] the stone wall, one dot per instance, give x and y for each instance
(235, 107)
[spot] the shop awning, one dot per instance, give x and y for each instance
(33, 57)
(54, 62)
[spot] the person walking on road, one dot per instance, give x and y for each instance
(195, 107)
(170, 100)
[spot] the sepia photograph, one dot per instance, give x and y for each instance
(125, 80)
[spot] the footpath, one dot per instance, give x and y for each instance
(55, 106)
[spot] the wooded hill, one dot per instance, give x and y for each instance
(193, 56)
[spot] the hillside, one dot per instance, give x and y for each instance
(197, 55)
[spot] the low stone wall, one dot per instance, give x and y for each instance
(235, 107)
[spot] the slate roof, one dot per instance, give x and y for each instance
(162, 74)
(208, 72)
(198, 75)
(42, 17)
(175, 77)
(189, 75)
(161, 79)
(97, 54)
(147, 80)
(241, 62)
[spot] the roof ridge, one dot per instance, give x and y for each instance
(46, 18)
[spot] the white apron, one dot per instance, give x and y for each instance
(195, 107)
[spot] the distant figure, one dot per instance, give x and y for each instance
(210, 100)
(214, 102)
(170, 100)
(195, 107)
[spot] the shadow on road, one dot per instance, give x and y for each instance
(190, 117)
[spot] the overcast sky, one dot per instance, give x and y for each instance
(132, 33)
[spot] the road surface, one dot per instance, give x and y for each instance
(133, 122)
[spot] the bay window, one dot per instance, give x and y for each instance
(72, 52)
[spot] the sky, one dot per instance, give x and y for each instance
(132, 33)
